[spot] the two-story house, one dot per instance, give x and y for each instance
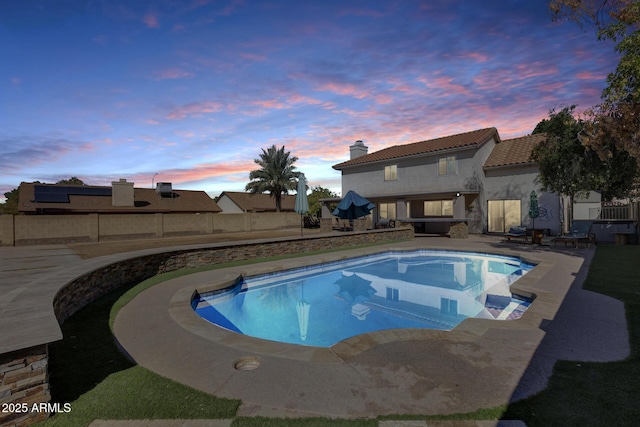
(475, 176)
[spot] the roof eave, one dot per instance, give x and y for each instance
(412, 156)
(511, 165)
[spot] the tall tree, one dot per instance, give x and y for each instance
(615, 123)
(569, 167)
(561, 158)
(10, 206)
(276, 175)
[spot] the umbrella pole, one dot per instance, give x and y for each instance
(301, 223)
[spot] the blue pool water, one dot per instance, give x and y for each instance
(323, 305)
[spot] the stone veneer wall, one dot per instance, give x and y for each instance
(23, 384)
(88, 287)
(459, 230)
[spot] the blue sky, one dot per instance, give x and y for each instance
(192, 90)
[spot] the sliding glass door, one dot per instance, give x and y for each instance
(503, 214)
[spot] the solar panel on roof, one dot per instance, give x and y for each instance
(61, 193)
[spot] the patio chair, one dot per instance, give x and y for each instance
(345, 225)
(516, 232)
(580, 232)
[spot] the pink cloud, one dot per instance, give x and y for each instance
(171, 74)
(535, 69)
(151, 20)
(445, 85)
(550, 87)
(589, 75)
(477, 57)
(195, 109)
(209, 170)
(493, 80)
(270, 104)
(346, 89)
(301, 99)
(383, 98)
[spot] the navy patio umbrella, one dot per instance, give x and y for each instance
(353, 206)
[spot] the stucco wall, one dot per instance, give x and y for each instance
(22, 230)
(517, 184)
(227, 205)
(417, 175)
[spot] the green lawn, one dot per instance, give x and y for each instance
(596, 394)
(88, 370)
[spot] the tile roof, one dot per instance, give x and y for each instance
(462, 140)
(514, 152)
(259, 202)
(146, 200)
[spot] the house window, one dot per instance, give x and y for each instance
(438, 208)
(388, 210)
(447, 165)
(449, 306)
(391, 173)
(393, 294)
(503, 214)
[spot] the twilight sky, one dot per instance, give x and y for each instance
(193, 89)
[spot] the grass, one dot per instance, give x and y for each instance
(596, 394)
(88, 370)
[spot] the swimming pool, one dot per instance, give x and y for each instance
(324, 304)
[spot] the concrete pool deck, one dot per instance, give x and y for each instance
(476, 365)
(480, 364)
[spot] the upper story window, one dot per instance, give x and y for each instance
(391, 173)
(447, 165)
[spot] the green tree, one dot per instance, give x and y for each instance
(561, 158)
(317, 193)
(71, 181)
(10, 206)
(570, 167)
(615, 123)
(276, 175)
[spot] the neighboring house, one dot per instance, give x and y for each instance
(120, 197)
(238, 202)
(474, 175)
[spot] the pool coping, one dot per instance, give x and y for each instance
(181, 310)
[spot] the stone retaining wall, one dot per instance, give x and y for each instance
(90, 286)
(24, 386)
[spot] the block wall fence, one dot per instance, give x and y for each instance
(21, 230)
(24, 372)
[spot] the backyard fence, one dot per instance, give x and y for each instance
(19, 230)
(620, 212)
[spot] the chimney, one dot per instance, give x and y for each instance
(122, 193)
(358, 150)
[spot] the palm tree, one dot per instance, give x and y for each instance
(276, 174)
